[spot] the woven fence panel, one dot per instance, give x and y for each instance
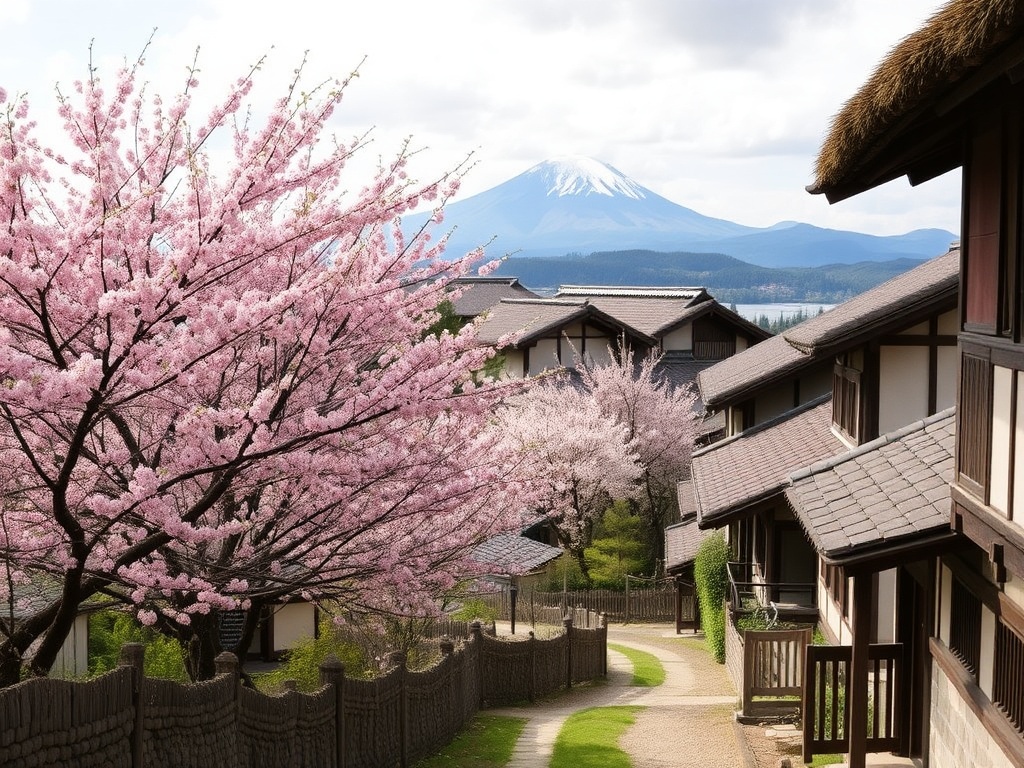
(507, 671)
(187, 726)
(550, 665)
(435, 716)
(589, 652)
(74, 725)
(373, 726)
(292, 730)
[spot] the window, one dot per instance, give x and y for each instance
(846, 400)
(1007, 671)
(965, 626)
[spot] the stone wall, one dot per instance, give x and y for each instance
(957, 737)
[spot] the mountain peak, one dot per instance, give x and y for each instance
(581, 176)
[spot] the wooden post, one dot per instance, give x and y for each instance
(476, 637)
(857, 684)
(567, 625)
(603, 624)
(397, 659)
(332, 672)
(532, 643)
(133, 655)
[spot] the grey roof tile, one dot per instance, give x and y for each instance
(732, 473)
(892, 507)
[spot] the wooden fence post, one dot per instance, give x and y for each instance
(397, 659)
(602, 622)
(133, 655)
(332, 672)
(567, 625)
(532, 643)
(477, 639)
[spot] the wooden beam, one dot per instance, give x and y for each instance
(857, 692)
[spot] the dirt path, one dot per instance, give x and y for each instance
(687, 721)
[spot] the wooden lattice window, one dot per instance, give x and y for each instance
(974, 423)
(965, 626)
(846, 411)
(1008, 671)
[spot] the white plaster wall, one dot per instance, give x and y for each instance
(832, 617)
(543, 355)
(885, 631)
(1002, 379)
(1018, 459)
(293, 622)
(514, 364)
(921, 329)
(598, 353)
(986, 663)
(947, 359)
(957, 739)
(945, 592)
(902, 387)
(741, 343)
(949, 322)
(680, 338)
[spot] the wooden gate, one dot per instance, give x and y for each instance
(826, 701)
(773, 672)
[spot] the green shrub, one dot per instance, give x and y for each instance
(711, 572)
(302, 663)
(109, 630)
(475, 609)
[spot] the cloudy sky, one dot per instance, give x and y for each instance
(718, 105)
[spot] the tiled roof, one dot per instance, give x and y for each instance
(891, 489)
(680, 369)
(884, 306)
(535, 317)
(888, 306)
(478, 294)
(508, 553)
(682, 541)
(653, 316)
(690, 293)
(730, 475)
(758, 366)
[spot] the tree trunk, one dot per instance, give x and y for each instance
(200, 642)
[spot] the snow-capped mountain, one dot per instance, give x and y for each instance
(581, 205)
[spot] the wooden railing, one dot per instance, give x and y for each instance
(773, 672)
(747, 595)
(826, 699)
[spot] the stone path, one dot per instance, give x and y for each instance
(687, 721)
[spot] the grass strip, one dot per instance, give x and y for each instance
(647, 670)
(590, 738)
(487, 742)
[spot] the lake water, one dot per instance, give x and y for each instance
(774, 311)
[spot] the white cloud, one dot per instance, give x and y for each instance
(719, 106)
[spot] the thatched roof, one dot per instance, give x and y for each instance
(964, 46)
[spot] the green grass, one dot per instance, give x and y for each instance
(487, 742)
(823, 760)
(589, 738)
(647, 670)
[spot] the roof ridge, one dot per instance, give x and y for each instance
(872, 445)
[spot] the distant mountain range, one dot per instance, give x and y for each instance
(579, 206)
(727, 279)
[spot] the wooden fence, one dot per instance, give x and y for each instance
(773, 673)
(826, 699)
(126, 720)
(638, 605)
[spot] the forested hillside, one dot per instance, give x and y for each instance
(728, 279)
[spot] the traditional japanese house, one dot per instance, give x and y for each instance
(952, 95)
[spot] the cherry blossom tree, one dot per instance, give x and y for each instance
(659, 422)
(583, 459)
(217, 388)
